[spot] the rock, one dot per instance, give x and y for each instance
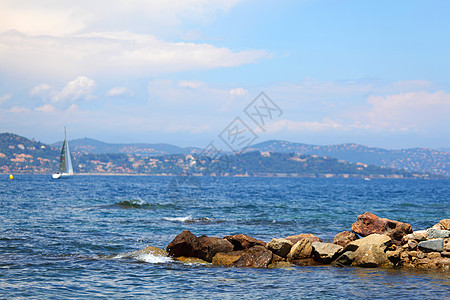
(420, 235)
(325, 252)
(255, 257)
(370, 256)
(305, 262)
(242, 241)
(295, 238)
(279, 247)
(277, 258)
(301, 249)
(427, 263)
(345, 259)
(368, 224)
(438, 234)
(344, 237)
(184, 244)
(442, 225)
(433, 255)
(446, 244)
(394, 256)
(432, 245)
(412, 244)
(445, 224)
(153, 251)
(209, 246)
(280, 265)
(382, 241)
(190, 260)
(445, 254)
(416, 254)
(369, 251)
(226, 259)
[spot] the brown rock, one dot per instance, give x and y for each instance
(305, 262)
(446, 245)
(368, 224)
(184, 244)
(190, 260)
(277, 258)
(442, 225)
(325, 252)
(302, 249)
(295, 238)
(433, 255)
(226, 259)
(209, 246)
(242, 241)
(369, 251)
(445, 254)
(370, 256)
(412, 244)
(394, 256)
(421, 235)
(280, 247)
(344, 237)
(280, 265)
(255, 257)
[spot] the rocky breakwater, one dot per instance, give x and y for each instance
(373, 242)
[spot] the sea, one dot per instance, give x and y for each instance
(77, 238)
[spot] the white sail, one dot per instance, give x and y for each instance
(65, 162)
(69, 167)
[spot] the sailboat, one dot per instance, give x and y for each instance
(65, 163)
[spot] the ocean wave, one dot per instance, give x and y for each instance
(141, 204)
(143, 257)
(189, 219)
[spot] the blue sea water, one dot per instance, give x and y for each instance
(72, 238)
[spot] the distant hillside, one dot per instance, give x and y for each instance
(87, 145)
(21, 155)
(415, 159)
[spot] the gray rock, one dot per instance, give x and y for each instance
(432, 245)
(438, 234)
(325, 252)
(280, 247)
(345, 259)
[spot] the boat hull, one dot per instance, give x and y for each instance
(61, 175)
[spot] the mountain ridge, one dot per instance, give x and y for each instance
(412, 160)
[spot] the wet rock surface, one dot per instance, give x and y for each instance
(384, 243)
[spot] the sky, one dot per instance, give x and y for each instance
(191, 72)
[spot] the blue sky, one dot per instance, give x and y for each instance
(369, 72)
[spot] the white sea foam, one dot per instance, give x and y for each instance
(145, 257)
(153, 259)
(178, 219)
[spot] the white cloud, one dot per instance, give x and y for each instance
(193, 84)
(62, 17)
(238, 92)
(120, 91)
(299, 126)
(47, 108)
(416, 110)
(41, 90)
(18, 109)
(124, 53)
(79, 88)
(5, 97)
